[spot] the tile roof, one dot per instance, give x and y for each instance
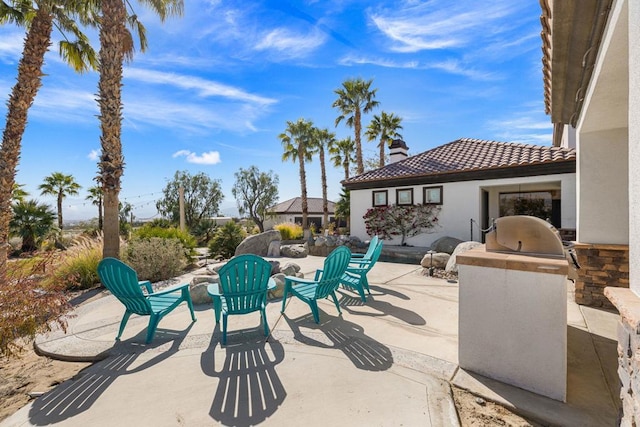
(467, 155)
(314, 205)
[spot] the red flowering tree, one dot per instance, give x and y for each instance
(405, 221)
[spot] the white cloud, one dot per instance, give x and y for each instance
(440, 24)
(94, 155)
(11, 44)
(208, 158)
(291, 44)
(204, 88)
(381, 62)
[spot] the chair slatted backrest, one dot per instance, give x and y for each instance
(334, 266)
(375, 255)
(122, 281)
(243, 282)
(372, 247)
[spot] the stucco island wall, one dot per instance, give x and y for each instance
(462, 201)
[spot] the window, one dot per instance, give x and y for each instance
(404, 197)
(432, 195)
(380, 198)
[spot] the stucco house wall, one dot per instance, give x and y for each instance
(462, 201)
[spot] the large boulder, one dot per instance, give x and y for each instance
(198, 288)
(274, 248)
(294, 251)
(258, 244)
(452, 267)
(445, 244)
(440, 260)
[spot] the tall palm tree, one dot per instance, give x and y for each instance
(116, 45)
(386, 127)
(95, 195)
(321, 139)
(39, 19)
(355, 97)
(31, 221)
(59, 185)
(342, 154)
(295, 141)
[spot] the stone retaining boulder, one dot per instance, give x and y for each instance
(452, 267)
(198, 288)
(445, 244)
(294, 251)
(258, 244)
(440, 260)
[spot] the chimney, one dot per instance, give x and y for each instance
(398, 150)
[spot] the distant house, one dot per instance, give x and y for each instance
(472, 181)
(291, 211)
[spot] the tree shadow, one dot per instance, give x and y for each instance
(364, 352)
(249, 389)
(348, 301)
(80, 393)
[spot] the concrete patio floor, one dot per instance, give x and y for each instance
(389, 361)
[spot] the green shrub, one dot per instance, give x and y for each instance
(155, 258)
(77, 267)
(226, 240)
(289, 231)
(148, 231)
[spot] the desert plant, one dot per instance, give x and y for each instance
(155, 258)
(77, 266)
(289, 231)
(148, 231)
(226, 240)
(27, 307)
(32, 221)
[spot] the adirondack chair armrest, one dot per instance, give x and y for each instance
(146, 285)
(359, 264)
(356, 270)
(295, 280)
(318, 274)
(171, 289)
(357, 255)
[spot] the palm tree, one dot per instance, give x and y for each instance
(39, 18)
(18, 194)
(31, 221)
(386, 127)
(355, 98)
(295, 141)
(95, 195)
(321, 139)
(116, 44)
(59, 185)
(342, 154)
(343, 206)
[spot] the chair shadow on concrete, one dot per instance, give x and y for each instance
(348, 300)
(80, 393)
(364, 352)
(249, 389)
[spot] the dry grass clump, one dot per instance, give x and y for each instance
(289, 231)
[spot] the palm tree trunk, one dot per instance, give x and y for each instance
(60, 211)
(358, 128)
(24, 92)
(346, 170)
(100, 214)
(382, 144)
(111, 163)
(303, 190)
(325, 207)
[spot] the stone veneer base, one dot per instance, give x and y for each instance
(602, 265)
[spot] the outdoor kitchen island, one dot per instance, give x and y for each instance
(513, 319)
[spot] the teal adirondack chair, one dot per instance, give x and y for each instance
(138, 296)
(244, 282)
(324, 284)
(355, 277)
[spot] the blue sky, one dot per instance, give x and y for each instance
(217, 86)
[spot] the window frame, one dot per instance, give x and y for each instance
(408, 191)
(434, 187)
(373, 198)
